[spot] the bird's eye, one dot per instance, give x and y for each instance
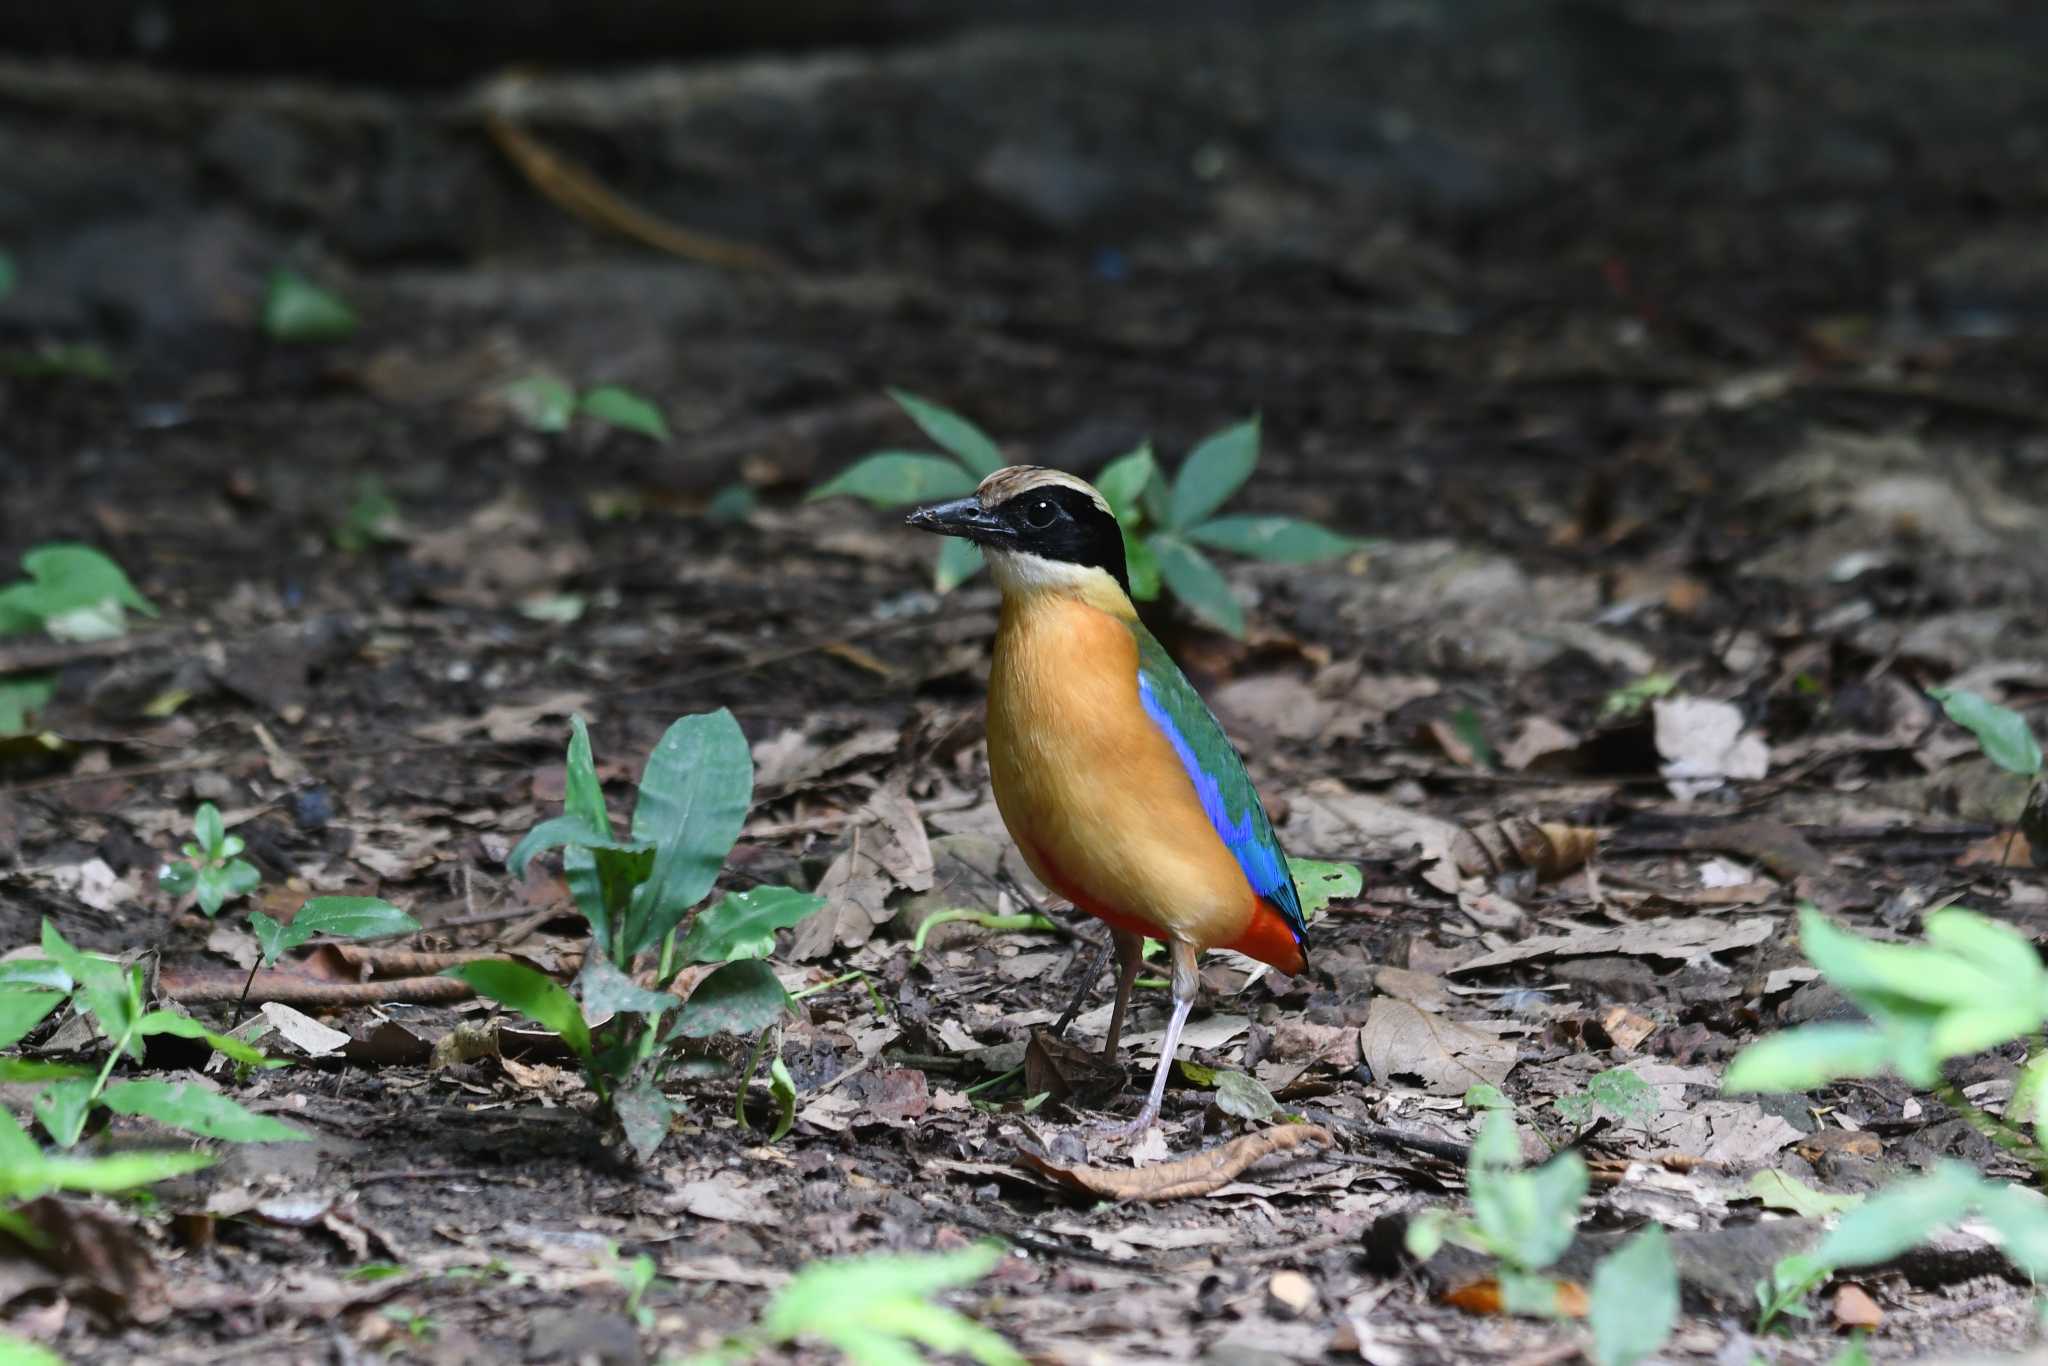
(1040, 514)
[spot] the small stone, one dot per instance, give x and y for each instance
(1290, 1294)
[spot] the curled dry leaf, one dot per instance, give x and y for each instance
(1198, 1174)
(1549, 849)
(105, 1262)
(1853, 1308)
(1484, 1297)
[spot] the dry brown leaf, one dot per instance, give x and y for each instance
(1672, 937)
(104, 1261)
(1483, 1297)
(1404, 1044)
(1538, 737)
(1626, 1028)
(1549, 849)
(1194, 1175)
(2011, 849)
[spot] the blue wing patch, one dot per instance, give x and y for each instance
(1236, 815)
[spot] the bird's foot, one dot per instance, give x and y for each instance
(1147, 1117)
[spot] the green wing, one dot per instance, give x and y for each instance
(1217, 772)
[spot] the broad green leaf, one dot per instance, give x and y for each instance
(273, 940)
(218, 886)
(73, 592)
(558, 831)
(1141, 566)
(197, 1110)
(61, 1108)
(959, 561)
(178, 879)
(954, 433)
(16, 1070)
(542, 402)
(1123, 480)
(870, 1308)
(582, 792)
(103, 988)
(1282, 540)
(22, 698)
(740, 999)
(532, 993)
(1780, 1191)
(185, 1027)
(2021, 1218)
(1198, 583)
(743, 924)
(893, 478)
(21, 1011)
(1624, 1095)
(694, 794)
(1532, 1295)
(1992, 945)
(1319, 883)
(352, 917)
(782, 1087)
(208, 828)
(1900, 1216)
(1880, 977)
(297, 310)
(1807, 1057)
(626, 410)
(28, 973)
(1244, 1096)
(1959, 1033)
(644, 1113)
(1526, 1217)
(1635, 1299)
(603, 882)
(2003, 733)
(606, 990)
(1212, 472)
(1486, 1096)
(2029, 1103)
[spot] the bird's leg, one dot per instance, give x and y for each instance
(1185, 982)
(1130, 956)
(1096, 954)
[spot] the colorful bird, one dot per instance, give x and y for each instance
(1118, 784)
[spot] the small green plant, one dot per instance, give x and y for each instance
(1634, 1304)
(297, 310)
(1618, 1093)
(636, 892)
(636, 1278)
(213, 872)
(2008, 741)
(112, 997)
(546, 404)
(1165, 521)
(337, 917)
(72, 592)
(1522, 1217)
(1628, 701)
(372, 518)
(877, 1311)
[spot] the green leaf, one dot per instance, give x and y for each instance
(273, 940)
(542, 402)
(1804, 1058)
(583, 792)
(74, 592)
(743, 924)
(1281, 540)
(1780, 1191)
(2021, 1218)
(2006, 738)
(626, 410)
(607, 991)
(954, 433)
(1244, 1096)
(1141, 566)
(2029, 1103)
(959, 561)
(870, 1307)
(102, 987)
(694, 794)
(297, 310)
(893, 478)
(178, 879)
(61, 1108)
(197, 1110)
(1212, 472)
(28, 1070)
(732, 504)
(740, 998)
(21, 1011)
(185, 1027)
(1526, 1218)
(352, 917)
(21, 699)
(30, 973)
(1122, 481)
(1901, 1215)
(559, 831)
(1486, 1096)
(644, 1113)
(782, 1087)
(1635, 1299)
(218, 886)
(16, 1351)
(1198, 583)
(533, 994)
(1319, 883)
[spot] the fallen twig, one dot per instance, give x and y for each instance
(1197, 1174)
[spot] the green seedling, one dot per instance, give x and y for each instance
(636, 1278)
(297, 310)
(1165, 521)
(372, 518)
(877, 1311)
(1522, 1217)
(1634, 1304)
(213, 872)
(111, 996)
(1629, 701)
(2008, 741)
(546, 404)
(1617, 1093)
(637, 891)
(336, 917)
(72, 592)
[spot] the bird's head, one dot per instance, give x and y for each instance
(1041, 529)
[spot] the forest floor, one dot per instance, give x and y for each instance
(1695, 348)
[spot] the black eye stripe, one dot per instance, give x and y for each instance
(1062, 523)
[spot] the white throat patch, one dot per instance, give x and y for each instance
(1019, 572)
